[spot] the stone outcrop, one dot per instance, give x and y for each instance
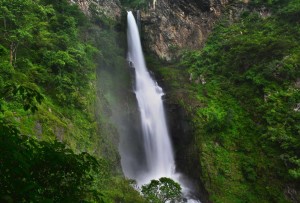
(108, 8)
(171, 25)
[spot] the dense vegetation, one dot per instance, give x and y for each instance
(54, 145)
(162, 190)
(241, 92)
(242, 95)
(136, 4)
(41, 50)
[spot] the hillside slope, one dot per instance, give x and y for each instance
(57, 141)
(237, 100)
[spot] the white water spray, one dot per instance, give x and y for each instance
(157, 145)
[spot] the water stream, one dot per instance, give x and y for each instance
(158, 153)
(157, 144)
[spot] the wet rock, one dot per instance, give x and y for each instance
(59, 133)
(179, 24)
(108, 8)
(38, 128)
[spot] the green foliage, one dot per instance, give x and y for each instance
(162, 190)
(29, 97)
(135, 4)
(48, 57)
(42, 39)
(241, 95)
(120, 190)
(291, 11)
(42, 171)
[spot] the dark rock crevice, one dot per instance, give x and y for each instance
(186, 151)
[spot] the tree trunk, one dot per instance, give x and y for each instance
(11, 53)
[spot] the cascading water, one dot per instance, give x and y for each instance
(159, 158)
(157, 144)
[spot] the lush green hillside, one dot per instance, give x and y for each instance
(55, 145)
(242, 95)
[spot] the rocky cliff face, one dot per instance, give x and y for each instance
(171, 25)
(108, 8)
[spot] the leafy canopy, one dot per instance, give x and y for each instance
(162, 190)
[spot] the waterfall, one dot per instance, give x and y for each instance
(157, 144)
(158, 152)
(154, 4)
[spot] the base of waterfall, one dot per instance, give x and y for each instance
(188, 194)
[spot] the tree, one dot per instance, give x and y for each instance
(17, 20)
(162, 190)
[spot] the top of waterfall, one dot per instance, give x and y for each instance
(154, 3)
